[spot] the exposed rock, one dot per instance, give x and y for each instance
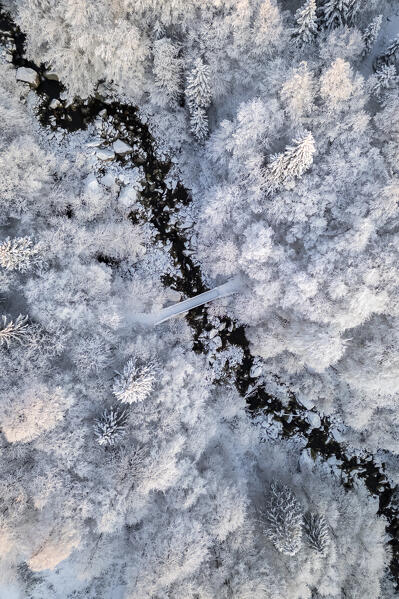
(313, 419)
(92, 185)
(55, 104)
(121, 148)
(103, 154)
(108, 180)
(28, 76)
(127, 197)
(255, 371)
(51, 75)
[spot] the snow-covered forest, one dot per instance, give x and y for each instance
(199, 306)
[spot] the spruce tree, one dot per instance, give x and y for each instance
(135, 382)
(335, 13)
(198, 90)
(371, 33)
(284, 520)
(199, 123)
(293, 162)
(110, 427)
(306, 20)
(198, 94)
(316, 532)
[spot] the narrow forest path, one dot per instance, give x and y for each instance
(164, 204)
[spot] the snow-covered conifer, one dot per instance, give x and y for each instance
(135, 383)
(384, 79)
(316, 532)
(19, 254)
(370, 34)
(306, 23)
(198, 91)
(284, 520)
(293, 162)
(11, 330)
(167, 70)
(110, 427)
(199, 123)
(389, 56)
(334, 13)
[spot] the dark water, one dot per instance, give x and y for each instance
(164, 203)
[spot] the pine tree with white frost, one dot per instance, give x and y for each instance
(384, 79)
(371, 33)
(284, 519)
(19, 253)
(198, 91)
(306, 23)
(198, 94)
(110, 427)
(389, 56)
(135, 383)
(317, 532)
(335, 13)
(167, 69)
(293, 162)
(11, 330)
(199, 123)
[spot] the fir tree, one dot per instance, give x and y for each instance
(19, 254)
(389, 56)
(199, 123)
(198, 96)
(110, 427)
(335, 13)
(293, 162)
(135, 383)
(167, 69)
(371, 33)
(198, 91)
(284, 520)
(316, 532)
(383, 80)
(306, 19)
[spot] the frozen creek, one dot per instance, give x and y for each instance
(293, 418)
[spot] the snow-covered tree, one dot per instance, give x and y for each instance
(389, 57)
(199, 123)
(306, 23)
(198, 94)
(384, 79)
(371, 33)
(283, 519)
(198, 91)
(14, 330)
(167, 70)
(110, 427)
(298, 94)
(334, 13)
(317, 532)
(293, 162)
(20, 253)
(136, 381)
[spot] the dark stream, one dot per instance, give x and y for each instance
(164, 203)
